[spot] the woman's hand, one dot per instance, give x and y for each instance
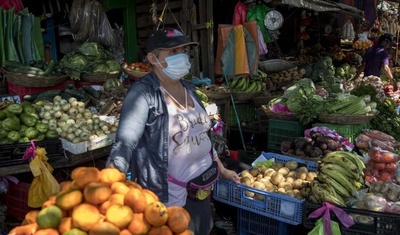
(230, 175)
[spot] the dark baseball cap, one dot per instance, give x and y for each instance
(167, 39)
(386, 37)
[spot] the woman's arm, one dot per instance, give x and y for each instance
(226, 173)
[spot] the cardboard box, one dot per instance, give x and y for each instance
(82, 147)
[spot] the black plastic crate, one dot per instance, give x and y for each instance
(11, 154)
(377, 222)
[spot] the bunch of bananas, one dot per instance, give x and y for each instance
(339, 175)
(249, 84)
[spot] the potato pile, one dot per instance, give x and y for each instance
(285, 178)
(292, 74)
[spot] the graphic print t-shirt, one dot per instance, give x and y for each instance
(189, 148)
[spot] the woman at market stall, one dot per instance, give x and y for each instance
(163, 138)
(377, 58)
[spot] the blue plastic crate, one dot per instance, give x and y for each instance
(249, 223)
(276, 206)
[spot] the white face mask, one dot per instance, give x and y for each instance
(177, 66)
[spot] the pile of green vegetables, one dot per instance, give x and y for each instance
(89, 58)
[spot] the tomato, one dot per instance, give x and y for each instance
(385, 176)
(378, 165)
(388, 157)
(390, 167)
(370, 179)
(375, 155)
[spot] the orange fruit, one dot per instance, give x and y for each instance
(104, 228)
(119, 215)
(178, 219)
(161, 230)
(65, 225)
(117, 198)
(30, 217)
(132, 184)
(96, 193)
(111, 175)
(186, 232)
(46, 231)
(68, 199)
(119, 187)
(125, 232)
(150, 196)
(27, 229)
(85, 175)
(85, 216)
(49, 217)
(136, 200)
(64, 185)
(103, 207)
(139, 225)
(156, 214)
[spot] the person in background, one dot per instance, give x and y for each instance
(377, 58)
(163, 138)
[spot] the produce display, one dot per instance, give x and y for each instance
(286, 77)
(249, 84)
(136, 66)
(103, 202)
(89, 58)
(315, 147)
(21, 123)
(287, 178)
(34, 68)
(339, 175)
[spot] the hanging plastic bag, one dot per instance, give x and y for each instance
(348, 31)
(44, 184)
(319, 228)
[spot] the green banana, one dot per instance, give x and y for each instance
(337, 158)
(241, 83)
(323, 194)
(356, 160)
(233, 83)
(251, 87)
(341, 179)
(337, 168)
(339, 189)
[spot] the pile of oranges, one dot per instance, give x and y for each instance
(362, 44)
(98, 202)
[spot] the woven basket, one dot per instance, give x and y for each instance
(275, 65)
(278, 116)
(215, 95)
(345, 119)
(98, 77)
(135, 74)
(29, 80)
(243, 96)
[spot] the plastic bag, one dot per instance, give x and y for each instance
(239, 14)
(44, 184)
(319, 228)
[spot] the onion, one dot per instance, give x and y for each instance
(79, 115)
(72, 111)
(63, 102)
(57, 114)
(80, 121)
(63, 134)
(96, 120)
(59, 130)
(72, 99)
(47, 115)
(61, 123)
(66, 107)
(77, 125)
(89, 121)
(70, 136)
(76, 140)
(52, 125)
(96, 127)
(70, 122)
(95, 116)
(81, 104)
(81, 109)
(93, 136)
(48, 107)
(84, 135)
(71, 129)
(57, 107)
(45, 121)
(41, 114)
(74, 103)
(65, 128)
(77, 132)
(104, 128)
(87, 114)
(107, 132)
(57, 99)
(64, 117)
(90, 127)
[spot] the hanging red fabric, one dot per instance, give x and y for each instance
(7, 4)
(239, 14)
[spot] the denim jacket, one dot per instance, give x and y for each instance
(141, 144)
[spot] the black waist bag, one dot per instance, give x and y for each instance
(200, 187)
